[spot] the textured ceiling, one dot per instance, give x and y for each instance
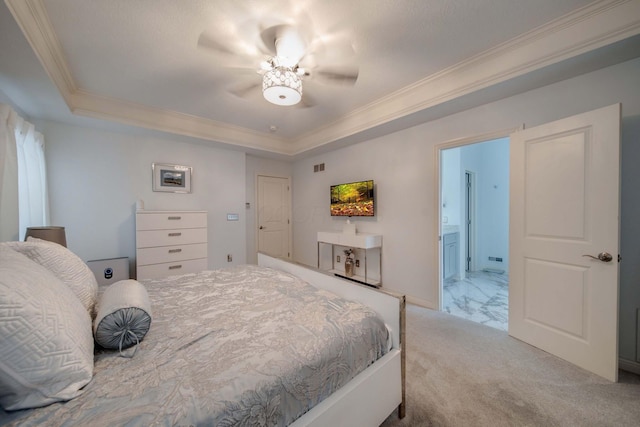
(145, 52)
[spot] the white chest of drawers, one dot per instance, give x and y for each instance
(170, 242)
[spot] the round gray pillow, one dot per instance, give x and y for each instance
(123, 316)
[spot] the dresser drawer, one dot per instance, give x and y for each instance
(186, 236)
(164, 254)
(170, 243)
(170, 220)
(157, 271)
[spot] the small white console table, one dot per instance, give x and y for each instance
(363, 244)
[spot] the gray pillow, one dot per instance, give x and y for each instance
(123, 316)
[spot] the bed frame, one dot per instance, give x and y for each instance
(369, 398)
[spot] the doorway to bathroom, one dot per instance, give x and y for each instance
(474, 221)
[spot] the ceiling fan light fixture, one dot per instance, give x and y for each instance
(282, 86)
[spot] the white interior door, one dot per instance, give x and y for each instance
(273, 216)
(565, 182)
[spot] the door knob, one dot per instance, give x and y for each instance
(602, 256)
(261, 227)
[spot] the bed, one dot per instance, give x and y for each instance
(230, 347)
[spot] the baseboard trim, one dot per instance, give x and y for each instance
(422, 302)
(629, 365)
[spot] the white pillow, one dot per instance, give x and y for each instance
(123, 315)
(46, 353)
(65, 265)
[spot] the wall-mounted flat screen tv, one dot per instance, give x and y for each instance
(353, 199)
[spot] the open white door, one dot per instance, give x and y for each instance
(273, 216)
(565, 181)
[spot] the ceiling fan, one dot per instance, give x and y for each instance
(285, 54)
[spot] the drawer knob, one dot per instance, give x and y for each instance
(175, 267)
(175, 234)
(174, 218)
(174, 251)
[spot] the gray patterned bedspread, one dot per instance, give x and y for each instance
(241, 346)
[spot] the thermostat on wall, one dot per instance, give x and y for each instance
(232, 217)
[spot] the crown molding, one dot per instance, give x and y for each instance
(596, 25)
(593, 26)
(100, 107)
(32, 18)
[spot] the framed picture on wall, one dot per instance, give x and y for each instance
(171, 178)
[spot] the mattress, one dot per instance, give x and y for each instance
(246, 345)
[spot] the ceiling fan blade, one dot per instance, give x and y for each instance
(242, 39)
(341, 76)
(332, 59)
(284, 41)
(268, 36)
(208, 40)
(245, 91)
(332, 49)
(287, 35)
(307, 101)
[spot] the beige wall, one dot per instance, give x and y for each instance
(96, 177)
(403, 167)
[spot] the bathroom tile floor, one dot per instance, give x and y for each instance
(481, 296)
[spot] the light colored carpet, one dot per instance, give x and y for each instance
(461, 373)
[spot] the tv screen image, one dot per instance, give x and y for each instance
(353, 199)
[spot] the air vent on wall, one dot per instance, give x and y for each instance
(318, 168)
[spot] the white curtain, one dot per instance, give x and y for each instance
(8, 175)
(29, 178)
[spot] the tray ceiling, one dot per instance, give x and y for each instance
(139, 63)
